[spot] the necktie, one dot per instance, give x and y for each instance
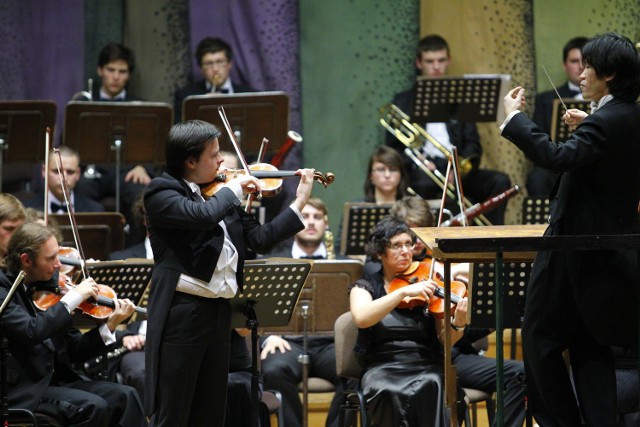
(55, 207)
(312, 257)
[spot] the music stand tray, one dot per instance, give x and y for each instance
(357, 221)
(559, 130)
(467, 98)
(91, 128)
(272, 288)
(252, 116)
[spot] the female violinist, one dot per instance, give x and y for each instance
(401, 350)
(473, 369)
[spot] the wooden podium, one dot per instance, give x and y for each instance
(501, 243)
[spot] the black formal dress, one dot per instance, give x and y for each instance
(478, 185)
(403, 367)
(540, 180)
(583, 301)
(187, 348)
(40, 375)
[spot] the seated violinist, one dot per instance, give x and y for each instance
(401, 350)
(43, 344)
(474, 370)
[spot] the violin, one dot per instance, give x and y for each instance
(47, 294)
(269, 176)
(421, 271)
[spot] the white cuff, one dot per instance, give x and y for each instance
(508, 119)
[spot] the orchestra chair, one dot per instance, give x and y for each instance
(353, 401)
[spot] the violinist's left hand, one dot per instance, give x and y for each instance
(460, 316)
(304, 187)
(124, 309)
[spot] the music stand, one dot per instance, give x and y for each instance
(559, 130)
(118, 132)
(100, 232)
(252, 116)
(23, 127)
(468, 98)
(535, 210)
(357, 221)
(271, 290)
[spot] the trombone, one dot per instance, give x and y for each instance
(411, 135)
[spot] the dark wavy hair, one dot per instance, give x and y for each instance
(382, 233)
(187, 140)
(612, 54)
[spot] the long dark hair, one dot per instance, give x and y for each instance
(390, 158)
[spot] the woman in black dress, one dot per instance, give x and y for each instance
(400, 350)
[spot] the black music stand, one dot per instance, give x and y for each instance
(252, 116)
(100, 232)
(357, 221)
(23, 127)
(118, 132)
(535, 210)
(559, 130)
(467, 98)
(271, 290)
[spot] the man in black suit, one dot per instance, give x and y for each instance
(43, 344)
(116, 63)
(215, 60)
(585, 301)
(540, 181)
(199, 248)
(281, 369)
(70, 167)
(432, 60)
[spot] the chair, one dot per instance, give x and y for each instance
(347, 366)
(25, 417)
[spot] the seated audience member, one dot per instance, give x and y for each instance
(400, 349)
(215, 59)
(70, 167)
(281, 369)
(473, 370)
(12, 216)
(540, 180)
(43, 344)
(116, 63)
(432, 60)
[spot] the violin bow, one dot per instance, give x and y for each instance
(70, 212)
(236, 146)
(47, 148)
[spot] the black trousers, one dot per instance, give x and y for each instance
(194, 363)
(93, 404)
(283, 372)
(552, 324)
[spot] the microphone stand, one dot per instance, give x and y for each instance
(4, 350)
(304, 359)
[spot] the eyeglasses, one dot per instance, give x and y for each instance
(390, 169)
(397, 247)
(218, 63)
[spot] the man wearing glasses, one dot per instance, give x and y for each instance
(215, 60)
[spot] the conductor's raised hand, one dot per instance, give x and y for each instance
(514, 100)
